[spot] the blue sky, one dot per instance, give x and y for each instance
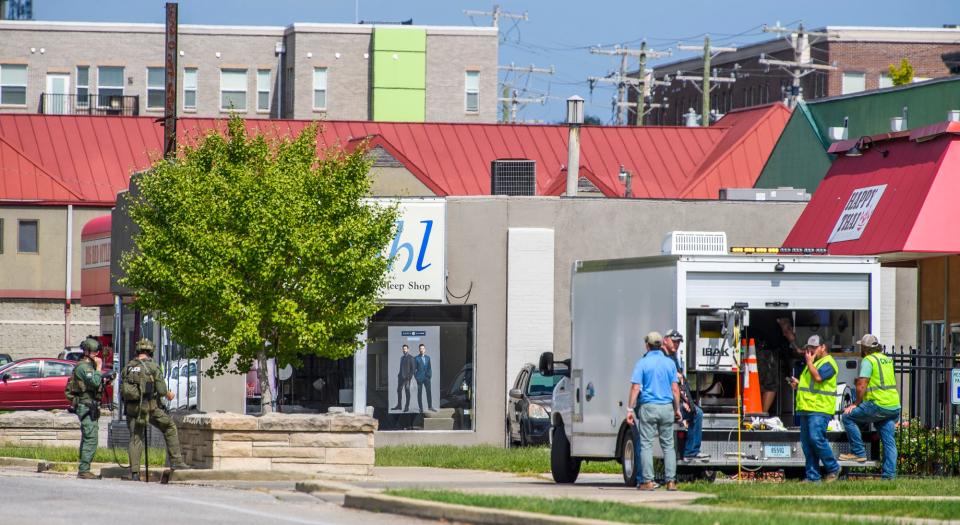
(558, 33)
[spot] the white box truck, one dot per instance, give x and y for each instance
(614, 303)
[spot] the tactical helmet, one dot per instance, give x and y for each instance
(90, 345)
(145, 346)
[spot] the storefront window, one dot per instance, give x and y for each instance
(423, 389)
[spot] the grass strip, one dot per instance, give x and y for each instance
(902, 509)
(610, 511)
(158, 456)
(895, 488)
(522, 460)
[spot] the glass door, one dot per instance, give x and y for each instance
(57, 96)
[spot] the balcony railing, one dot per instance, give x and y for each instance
(92, 104)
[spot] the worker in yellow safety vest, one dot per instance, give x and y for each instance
(816, 405)
(878, 402)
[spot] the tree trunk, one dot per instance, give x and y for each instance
(263, 374)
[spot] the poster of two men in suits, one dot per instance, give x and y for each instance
(413, 361)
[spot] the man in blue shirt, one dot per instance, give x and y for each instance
(655, 380)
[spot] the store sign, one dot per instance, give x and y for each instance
(418, 251)
(856, 214)
(955, 386)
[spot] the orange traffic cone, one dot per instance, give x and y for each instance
(752, 403)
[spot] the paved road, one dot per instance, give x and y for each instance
(30, 498)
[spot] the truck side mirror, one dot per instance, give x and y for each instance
(546, 364)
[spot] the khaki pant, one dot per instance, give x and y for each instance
(159, 419)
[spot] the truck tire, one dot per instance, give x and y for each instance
(629, 461)
(564, 468)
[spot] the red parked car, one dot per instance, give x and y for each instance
(35, 384)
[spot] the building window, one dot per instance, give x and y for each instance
(13, 84)
(233, 89)
(263, 90)
(27, 241)
(83, 86)
(1, 235)
(190, 88)
(472, 92)
(885, 81)
(319, 88)
(156, 94)
(853, 82)
(109, 84)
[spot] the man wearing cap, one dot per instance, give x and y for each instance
(692, 415)
(816, 404)
(655, 380)
(877, 402)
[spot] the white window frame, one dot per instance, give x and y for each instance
(318, 88)
(187, 88)
(261, 89)
(162, 89)
(83, 101)
(246, 89)
(100, 84)
(851, 75)
(884, 78)
(467, 91)
(26, 75)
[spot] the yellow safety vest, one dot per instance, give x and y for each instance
(882, 389)
(820, 396)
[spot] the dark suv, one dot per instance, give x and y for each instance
(530, 404)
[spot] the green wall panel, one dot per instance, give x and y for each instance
(400, 39)
(799, 159)
(408, 70)
(399, 105)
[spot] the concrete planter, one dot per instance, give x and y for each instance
(40, 428)
(310, 444)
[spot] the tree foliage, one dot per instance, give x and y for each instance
(250, 248)
(901, 75)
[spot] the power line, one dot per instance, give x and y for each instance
(709, 51)
(624, 82)
(496, 15)
(801, 65)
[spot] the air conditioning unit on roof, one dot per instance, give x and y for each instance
(695, 243)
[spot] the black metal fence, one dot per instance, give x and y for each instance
(90, 104)
(928, 434)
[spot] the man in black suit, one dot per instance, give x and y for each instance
(407, 367)
(424, 373)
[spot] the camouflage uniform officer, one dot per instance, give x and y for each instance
(82, 391)
(143, 386)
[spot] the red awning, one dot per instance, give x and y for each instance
(917, 181)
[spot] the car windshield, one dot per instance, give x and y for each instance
(541, 385)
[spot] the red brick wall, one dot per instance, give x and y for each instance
(873, 58)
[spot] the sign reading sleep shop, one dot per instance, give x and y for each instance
(856, 214)
(417, 252)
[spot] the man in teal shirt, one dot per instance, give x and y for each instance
(878, 402)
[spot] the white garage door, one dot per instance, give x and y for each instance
(796, 291)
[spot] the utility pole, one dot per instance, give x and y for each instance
(621, 79)
(708, 75)
(514, 101)
(802, 63)
(496, 15)
(511, 97)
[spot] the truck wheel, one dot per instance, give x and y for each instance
(631, 463)
(564, 468)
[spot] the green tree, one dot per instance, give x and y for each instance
(901, 75)
(251, 248)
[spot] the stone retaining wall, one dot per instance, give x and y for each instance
(312, 444)
(40, 428)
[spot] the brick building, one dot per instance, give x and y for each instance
(326, 71)
(861, 56)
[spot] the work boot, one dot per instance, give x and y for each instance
(647, 486)
(135, 476)
(852, 457)
(86, 474)
(831, 477)
(180, 465)
(672, 486)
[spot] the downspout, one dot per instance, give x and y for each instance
(69, 278)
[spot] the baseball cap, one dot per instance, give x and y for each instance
(814, 341)
(869, 340)
(674, 334)
(653, 339)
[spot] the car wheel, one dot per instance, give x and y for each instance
(630, 463)
(564, 468)
(524, 439)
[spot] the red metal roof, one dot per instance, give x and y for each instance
(94, 156)
(96, 226)
(917, 213)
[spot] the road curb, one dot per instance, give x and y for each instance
(312, 486)
(434, 510)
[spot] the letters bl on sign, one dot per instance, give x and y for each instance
(856, 214)
(417, 252)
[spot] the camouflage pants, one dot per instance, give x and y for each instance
(89, 429)
(137, 423)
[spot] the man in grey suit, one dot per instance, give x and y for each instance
(423, 374)
(404, 376)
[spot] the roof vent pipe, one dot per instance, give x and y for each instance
(953, 115)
